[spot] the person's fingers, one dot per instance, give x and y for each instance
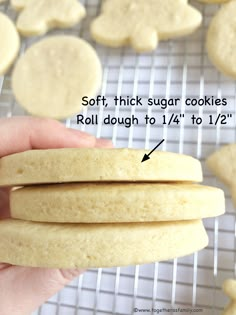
(4, 266)
(103, 143)
(23, 290)
(25, 133)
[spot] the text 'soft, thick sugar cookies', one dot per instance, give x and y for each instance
(229, 288)
(97, 245)
(221, 39)
(19, 4)
(9, 43)
(39, 16)
(86, 165)
(100, 203)
(51, 78)
(143, 23)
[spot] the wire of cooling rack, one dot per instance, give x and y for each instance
(176, 69)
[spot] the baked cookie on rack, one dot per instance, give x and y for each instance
(229, 288)
(142, 23)
(9, 41)
(221, 39)
(39, 16)
(65, 64)
(223, 164)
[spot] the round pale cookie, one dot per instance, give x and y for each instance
(10, 43)
(221, 39)
(54, 74)
(40, 16)
(143, 23)
(97, 245)
(100, 203)
(86, 165)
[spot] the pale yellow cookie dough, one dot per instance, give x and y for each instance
(39, 16)
(221, 39)
(9, 43)
(86, 165)
(100, 203)
(97, 245)
(53, 75)
(229, 288)
(142, 23)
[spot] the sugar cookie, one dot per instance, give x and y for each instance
(10, 43)
(53, 75)
(229, 288)
(86, 165)
(39, 16)
(223, 163)
(221, 39)
(143, 23)
(97, 245)
(100, 203)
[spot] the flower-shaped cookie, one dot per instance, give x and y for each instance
(41, 15)
(229, 288)
(142, 23)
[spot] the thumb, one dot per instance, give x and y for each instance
(23, 290)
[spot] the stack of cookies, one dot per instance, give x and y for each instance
(103, 207)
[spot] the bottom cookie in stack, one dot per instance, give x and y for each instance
(97, 245)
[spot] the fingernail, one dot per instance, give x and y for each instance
(104, 143)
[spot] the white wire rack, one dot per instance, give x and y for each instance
(176, 69)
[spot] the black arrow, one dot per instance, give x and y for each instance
(147, 156)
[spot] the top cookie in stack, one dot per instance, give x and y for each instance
(103, 207)
(92, 165)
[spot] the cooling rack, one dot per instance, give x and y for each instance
(181, 69)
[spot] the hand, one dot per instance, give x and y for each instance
(22, 290)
